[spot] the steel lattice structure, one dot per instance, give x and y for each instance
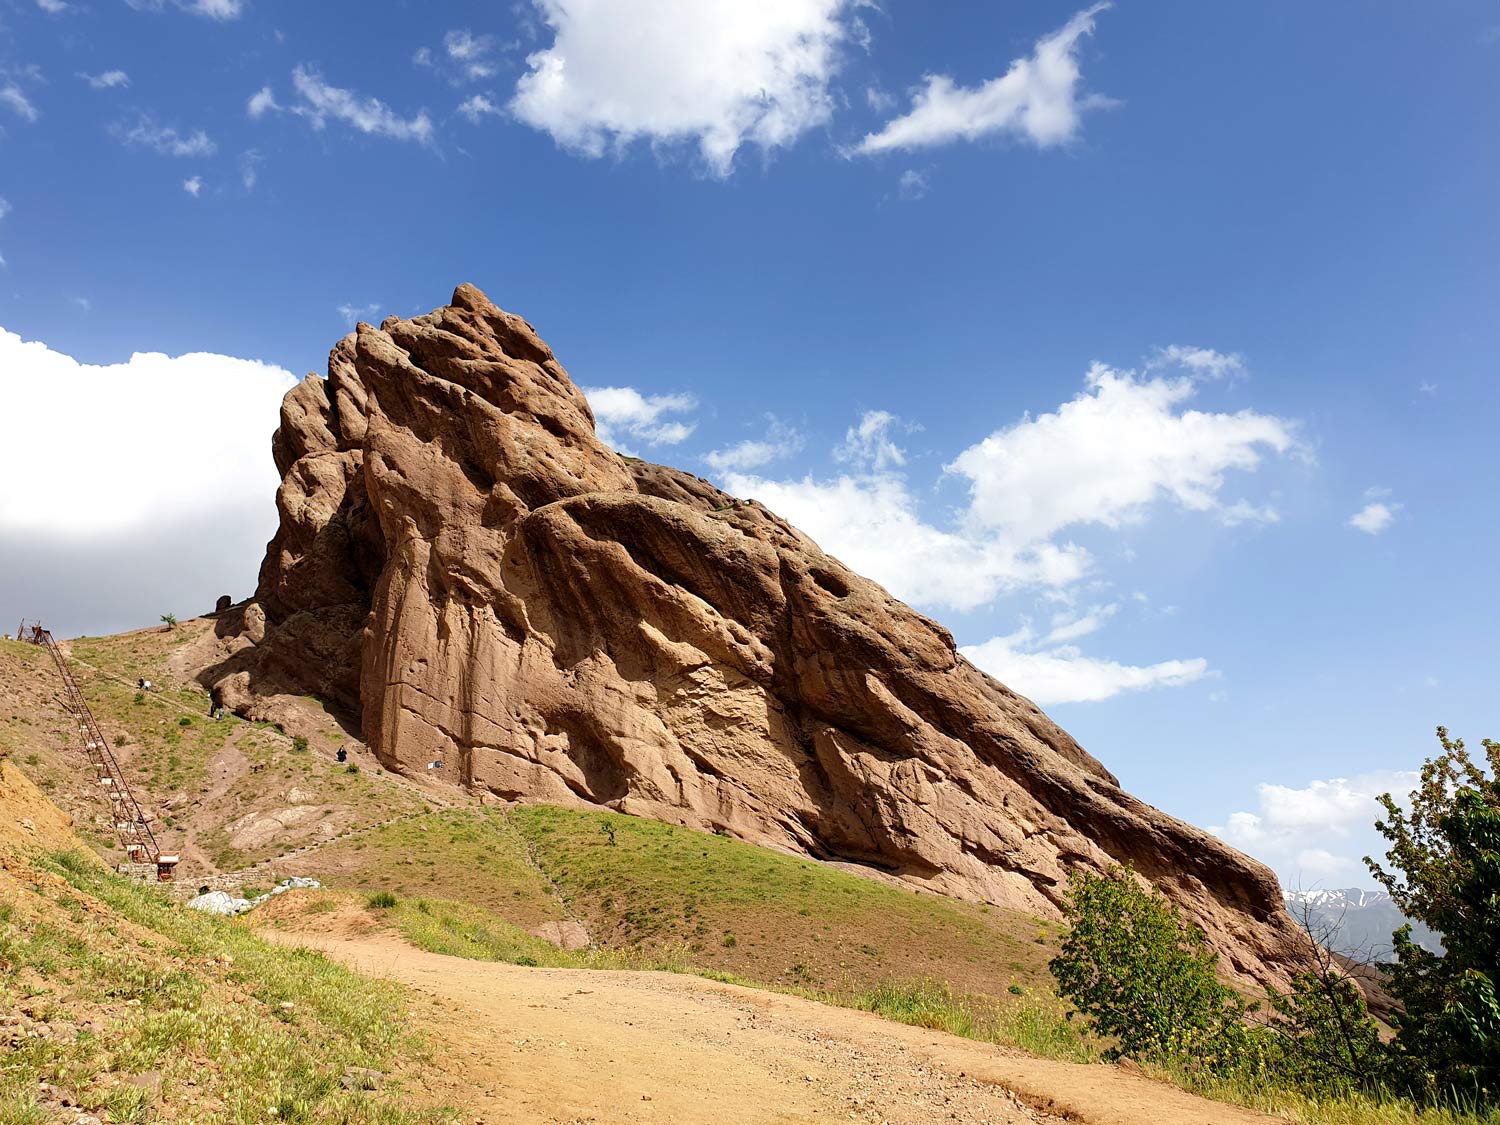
(126, 813)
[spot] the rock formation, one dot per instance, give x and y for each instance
(509, 604)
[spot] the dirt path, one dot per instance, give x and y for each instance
(573, 1045)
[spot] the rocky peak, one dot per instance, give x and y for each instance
(465, 566)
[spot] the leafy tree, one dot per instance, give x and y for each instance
(1144, 977)
(1444, 871)
(1325, 1040)
(169, 620)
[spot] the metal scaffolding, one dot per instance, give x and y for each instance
(129, 819)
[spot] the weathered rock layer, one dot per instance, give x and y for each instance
(465, 565)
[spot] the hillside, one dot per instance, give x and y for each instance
(223, 794)
(115, 1005)
(650, 892)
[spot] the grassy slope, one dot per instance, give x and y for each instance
(654, 893)
(214, 785)
(137, 1008)
(472, 882)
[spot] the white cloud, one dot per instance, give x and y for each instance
(1200, 361)
(877, 99)
(1377, 515)
(1106, 457)
(718, 73)
(210, 9)
(872, 522)
(320, 102)
(107, 80)
(353, 314)
(123, 476)
(249, 167)
(1317, 834)
(13, 98)
(217, 9)
(1037, 100)
(5, 207)
(52, 7)
(193, 185)
(1067, 627)
(623, 413)
(1123, 446)
(1103, 458)
(83, 303)
(1063, 674)
(261, 102)
(478, 107)
(781, 441)
(470, 51)
(1427, 388)
(911, 185)
(167, 141)
(868, 443)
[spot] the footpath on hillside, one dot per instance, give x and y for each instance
(525, 1044)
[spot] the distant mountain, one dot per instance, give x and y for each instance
(1355, 922)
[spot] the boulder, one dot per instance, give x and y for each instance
(463, 564)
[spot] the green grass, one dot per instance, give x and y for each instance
(644, 886)
(469, 855)
(197, 998)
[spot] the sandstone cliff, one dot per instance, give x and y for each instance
(461, 562)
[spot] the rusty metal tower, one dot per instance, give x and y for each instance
(129, 818)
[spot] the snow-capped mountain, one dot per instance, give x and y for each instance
(1355, 922)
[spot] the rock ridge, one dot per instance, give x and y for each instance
(506, 603)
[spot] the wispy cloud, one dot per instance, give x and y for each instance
(623, 414)
(13, 98)
(479, 107)
(780, 441)
(222, 10)
(146, 132)
(1378, 513)
(1038, 100)
(320, 102)
(108, 80)
(353, 314)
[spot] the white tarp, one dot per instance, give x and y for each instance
(222, 902)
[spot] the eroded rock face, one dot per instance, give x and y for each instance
(465, 565)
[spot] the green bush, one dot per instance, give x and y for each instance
(1145, 979)
(1444, 871)
(299, 744)
(381, 900)
(1325, 1042)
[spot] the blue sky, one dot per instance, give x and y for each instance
(1088, 331)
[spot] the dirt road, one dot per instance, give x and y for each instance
(568, 1045)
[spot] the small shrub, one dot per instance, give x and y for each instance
(381, 900)
(140, 697)
(730, 941)
(299, 744)
(1143, 977)
(121, 740)
(169, 620)
(185, 721)
(351, 768)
